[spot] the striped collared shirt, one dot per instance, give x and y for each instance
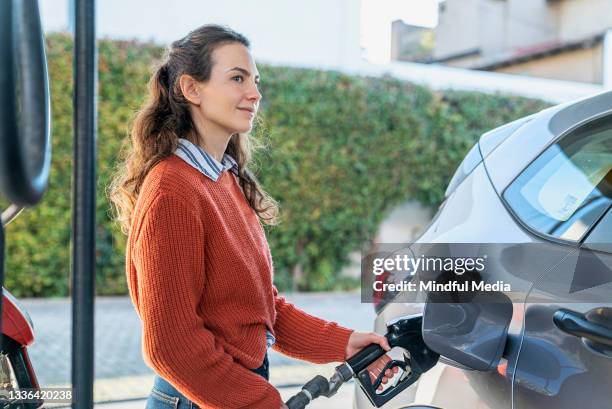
(203, 161)
(210, 167)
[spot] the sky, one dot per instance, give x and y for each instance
(117, 17)
(376, 18)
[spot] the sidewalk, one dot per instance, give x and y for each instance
(342, 399)
(120, 371)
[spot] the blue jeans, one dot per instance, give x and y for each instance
(165, 396)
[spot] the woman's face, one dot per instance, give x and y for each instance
(230, 98)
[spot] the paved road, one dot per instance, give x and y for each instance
(342, 399)
(119, 368)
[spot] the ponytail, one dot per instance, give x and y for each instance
(164, 118)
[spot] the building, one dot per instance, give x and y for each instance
(557, 39)
(411, 43)
(320, 34)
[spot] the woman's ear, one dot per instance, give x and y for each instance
(189, 88)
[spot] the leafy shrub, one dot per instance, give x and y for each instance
(342, 152)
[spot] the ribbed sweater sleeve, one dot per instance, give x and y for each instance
(170, 262)
(303, 336)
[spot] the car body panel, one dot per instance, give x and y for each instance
(492, 139)
(472, 214)
(542, 366)
(556, 369)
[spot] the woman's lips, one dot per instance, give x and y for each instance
(249, 111)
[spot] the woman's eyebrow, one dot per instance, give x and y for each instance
(242, 70)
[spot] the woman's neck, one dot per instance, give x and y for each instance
(212, 139)
(215, 148)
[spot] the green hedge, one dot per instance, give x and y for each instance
(341, 153)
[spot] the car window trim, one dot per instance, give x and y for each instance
(607, 213)
(542, 235)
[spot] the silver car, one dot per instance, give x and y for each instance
(544, 180)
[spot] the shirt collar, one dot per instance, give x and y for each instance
(203, 161)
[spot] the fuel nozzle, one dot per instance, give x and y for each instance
(404, 332)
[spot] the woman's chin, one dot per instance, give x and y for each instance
(244, 128)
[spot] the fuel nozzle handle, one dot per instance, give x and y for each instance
(404, 332)
(365, 357)
(400, 332)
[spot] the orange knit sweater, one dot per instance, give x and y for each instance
(199, 272)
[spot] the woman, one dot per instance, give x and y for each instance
(198, 265)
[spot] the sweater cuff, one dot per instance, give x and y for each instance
(338, 340)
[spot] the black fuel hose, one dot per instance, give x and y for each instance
(314, 388)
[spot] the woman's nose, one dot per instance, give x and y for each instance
(254, 94)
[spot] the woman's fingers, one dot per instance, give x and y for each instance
(381, 340)
(376, 368)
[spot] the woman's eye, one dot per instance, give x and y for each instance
(238, 78)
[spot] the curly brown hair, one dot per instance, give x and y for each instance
(164, 118)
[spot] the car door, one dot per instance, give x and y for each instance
(565, 357)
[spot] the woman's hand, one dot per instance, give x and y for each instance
(360, 340)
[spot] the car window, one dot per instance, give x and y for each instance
(569, 186)
(600, 238)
